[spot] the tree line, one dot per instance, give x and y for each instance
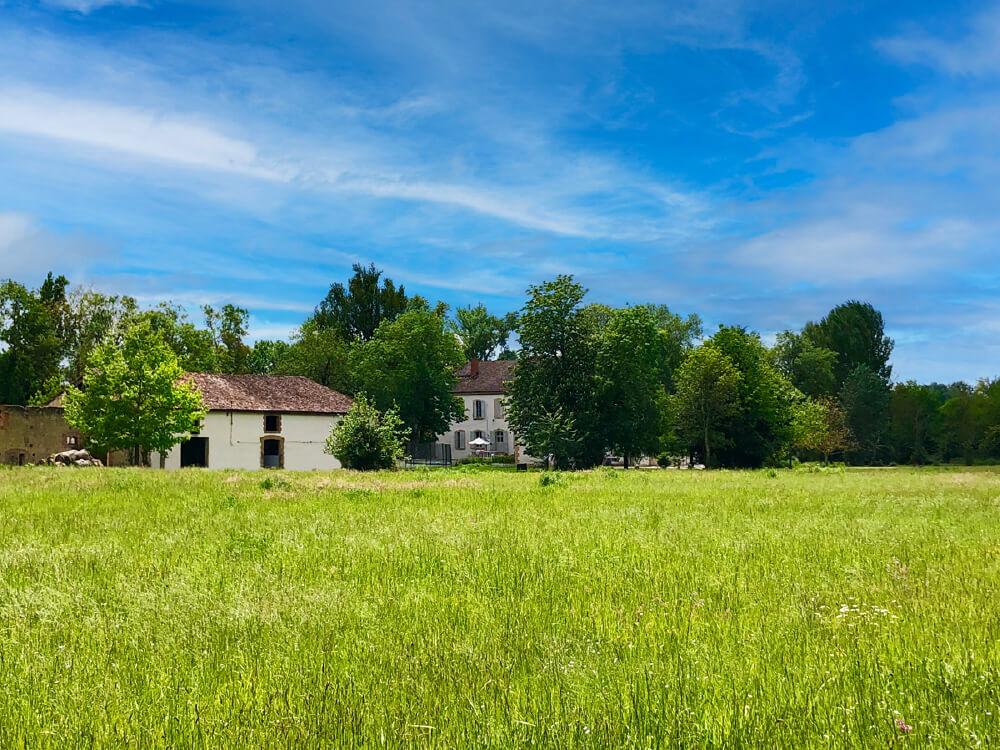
(590, 379)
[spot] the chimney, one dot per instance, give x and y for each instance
(473, 368)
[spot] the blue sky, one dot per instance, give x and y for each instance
(755, 163)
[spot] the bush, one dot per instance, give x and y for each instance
(502, 459)
(664, 461)
(367, 439)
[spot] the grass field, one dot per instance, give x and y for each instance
(481, 608)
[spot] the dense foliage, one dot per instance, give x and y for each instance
(367, 439)
(133, 397)
(590, 379)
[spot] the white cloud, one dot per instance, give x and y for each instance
(976, 53)
(28, 250)
(88, 6)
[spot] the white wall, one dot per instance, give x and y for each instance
(234, 441)
(489, 424)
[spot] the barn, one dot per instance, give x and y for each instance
(259, 421)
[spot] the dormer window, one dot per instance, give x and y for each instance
(272, 423)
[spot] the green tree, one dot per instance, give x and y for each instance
(483, 336)
(267, 356)
(357, 310)
(762, 429)
(228, 328)
(820, 426)
(555, 371)
(34, 332)
(631, 363)
(809, 367)
(194, 347)
(914, 417)
(961, 426)
(708, 395)
(865, 399)
(133, 396)
(367, 439)
(320, 354)
(856, 332)
(409, 364)
(680, 335)
(94, 318)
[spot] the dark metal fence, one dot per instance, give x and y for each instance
(428, 454)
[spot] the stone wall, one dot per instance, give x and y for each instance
(29, 434)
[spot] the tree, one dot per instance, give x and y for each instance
(809, 367)
(856, 332)
(366, 439)
(631, 361)
(555, 371)
(409, 364)
(357, 310)
(865, 398)
(680, 336)
(554, 434)
(914, 416)
(267, 356)
(708, 386)
(194, 347)
(820, 426)
(34, 331)
(228, 327)
(94, 317)
(133, 397)
(483, 336)
(319, 354)
(762, 429)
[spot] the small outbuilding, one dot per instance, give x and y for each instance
(260, 421)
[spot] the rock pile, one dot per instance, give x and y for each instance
(73, 458)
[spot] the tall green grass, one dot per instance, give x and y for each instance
(477, 608)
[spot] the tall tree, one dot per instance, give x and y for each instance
(856, 332)
(762, 429)
(320, 354)
(228, 328)
(94, 317)
(194, 347)
(555, 371)
(483, 336)
(409, 364)
(680, 334)
(357, 310)
(809, 367)
(133, 397)
(708, 395)
(914, 417)
(865, 398)
(34, 331)
(267, 356)
(632, 354)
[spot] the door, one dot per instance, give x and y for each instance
(194, 452)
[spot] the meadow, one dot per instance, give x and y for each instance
(475, 607)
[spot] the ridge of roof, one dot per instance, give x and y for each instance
(267, 393)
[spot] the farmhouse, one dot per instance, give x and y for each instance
(482, 386)
(260, 421)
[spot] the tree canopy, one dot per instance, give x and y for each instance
(357, 310)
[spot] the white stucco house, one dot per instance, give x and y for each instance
(260, 421)
(482, 386)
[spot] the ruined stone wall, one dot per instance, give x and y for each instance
(29, 434)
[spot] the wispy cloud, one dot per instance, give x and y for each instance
(88, 6)
(974, 53)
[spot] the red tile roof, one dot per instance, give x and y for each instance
(268, 393)
(492, 377)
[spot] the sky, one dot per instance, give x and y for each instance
(755, 163)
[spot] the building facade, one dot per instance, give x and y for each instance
(482, 386)
(260, 421)
(29, 434)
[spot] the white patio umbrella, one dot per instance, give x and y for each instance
(479, 441)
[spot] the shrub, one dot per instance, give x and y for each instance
(367, 439)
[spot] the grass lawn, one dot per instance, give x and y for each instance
(474, 607)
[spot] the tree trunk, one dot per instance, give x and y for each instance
(626, 461)
(708, 450)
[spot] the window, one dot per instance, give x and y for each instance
(498, 408)
(459, 440)
(500, 437)
(72, 441)
(478, 435)
(478, 409)
(272, 423)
